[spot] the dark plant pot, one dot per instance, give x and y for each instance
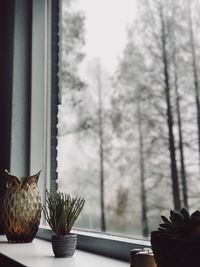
(173, 252)
(64, 245)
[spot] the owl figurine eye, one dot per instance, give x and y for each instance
(9, 184)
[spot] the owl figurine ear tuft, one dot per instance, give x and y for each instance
(33, 179)
(36, 176)
(12, 180)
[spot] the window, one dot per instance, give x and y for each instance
(129, 120)
(45, 104)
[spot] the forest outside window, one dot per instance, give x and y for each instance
(129, 118)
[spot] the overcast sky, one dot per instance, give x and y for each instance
(106, 23)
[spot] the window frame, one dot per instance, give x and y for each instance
(100, 243)
(40, 92)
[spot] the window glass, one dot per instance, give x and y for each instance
(129, 118)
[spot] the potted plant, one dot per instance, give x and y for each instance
(61, 211)
(176, 243)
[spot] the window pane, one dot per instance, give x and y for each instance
(129, 118)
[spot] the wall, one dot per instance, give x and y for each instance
(6, 59)
(15, 62)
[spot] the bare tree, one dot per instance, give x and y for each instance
(101, 146)
(145, 229)
(195, 71)
(98, 87)
(170, 121)
(179, 119)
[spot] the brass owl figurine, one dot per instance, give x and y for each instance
(21, 208)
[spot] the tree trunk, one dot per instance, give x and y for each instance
(195, 75)
(181, 149)
(101, 149)
(174, 174)
(145, 228)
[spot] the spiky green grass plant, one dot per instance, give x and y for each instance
(61, 211)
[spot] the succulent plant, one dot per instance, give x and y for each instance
(180, 224)
(61, 211)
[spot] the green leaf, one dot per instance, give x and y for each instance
(168, 226)
(185, 213)
(177, 218)
(165, 219)
(163, 229)
(195, 214)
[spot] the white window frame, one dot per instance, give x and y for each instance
(41, 92)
